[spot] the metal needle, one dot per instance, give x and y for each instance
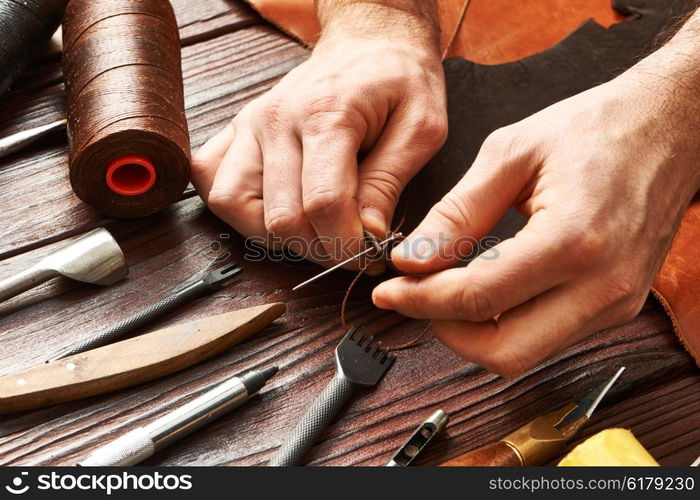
(347, 261)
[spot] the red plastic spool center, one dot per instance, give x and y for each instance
(130, 175)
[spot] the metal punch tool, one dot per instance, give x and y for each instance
(419, 440)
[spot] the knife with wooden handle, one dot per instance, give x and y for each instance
(132, 361)
(541, 439)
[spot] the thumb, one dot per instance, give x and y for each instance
(404, 147)
(454, 226)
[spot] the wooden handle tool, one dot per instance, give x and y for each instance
(541, 439)
(132, 361)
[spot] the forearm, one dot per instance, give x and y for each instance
(671, 76)
(416, 19)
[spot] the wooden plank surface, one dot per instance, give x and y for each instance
(229, 59)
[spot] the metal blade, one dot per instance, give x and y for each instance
(587, 405)
(345, 262)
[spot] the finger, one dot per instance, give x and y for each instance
(526, 335)
(405, 146)
(284, 211)
(509, 274)
(469, 211)
(236, 192)
(329, 188)
(206, 160)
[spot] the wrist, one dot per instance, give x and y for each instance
(664, 88)
(406, 22)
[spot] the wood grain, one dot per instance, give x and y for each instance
(133, 361)
(225, 66)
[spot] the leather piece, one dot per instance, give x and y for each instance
(484, 98)
(678, 284)
(492, 31)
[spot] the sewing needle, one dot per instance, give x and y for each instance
(347, 261)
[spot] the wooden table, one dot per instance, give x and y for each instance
(230, 57)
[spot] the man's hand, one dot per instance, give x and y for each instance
(604, 178)
(287, 165)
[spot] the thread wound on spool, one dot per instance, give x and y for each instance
(25, 27)
(130, 175)
(125, 100)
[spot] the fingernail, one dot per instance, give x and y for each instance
(373, 220)
(415, 247)
(380, 302)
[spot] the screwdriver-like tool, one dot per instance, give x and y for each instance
(142, 442)
(542, 439)
(359, 362)
(212, 281)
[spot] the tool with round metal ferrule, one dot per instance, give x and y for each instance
(92, 258)
(540, 440)
(144, 441)
(212, 281)
(359, 362)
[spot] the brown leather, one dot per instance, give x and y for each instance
(501, 31)
(492, 31)
(678, 284)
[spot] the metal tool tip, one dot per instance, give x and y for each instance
(269, 372)
(256, 380)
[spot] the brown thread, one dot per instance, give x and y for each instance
(387, 249)
(122, 66)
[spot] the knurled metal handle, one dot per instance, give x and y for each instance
(140, 319)
(130, 449)
(319, 415)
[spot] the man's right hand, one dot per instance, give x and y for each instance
(287, 165)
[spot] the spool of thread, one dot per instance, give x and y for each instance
(25, 26)
(128, 136)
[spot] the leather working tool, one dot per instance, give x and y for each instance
(542, 439)
(15, 142)
(359, 361)
(419, 440)
(94, 257)
(139, 444)
(132, 361)
(212, 281)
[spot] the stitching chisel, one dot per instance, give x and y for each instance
(359, 362)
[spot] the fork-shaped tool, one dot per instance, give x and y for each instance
(359, 361)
